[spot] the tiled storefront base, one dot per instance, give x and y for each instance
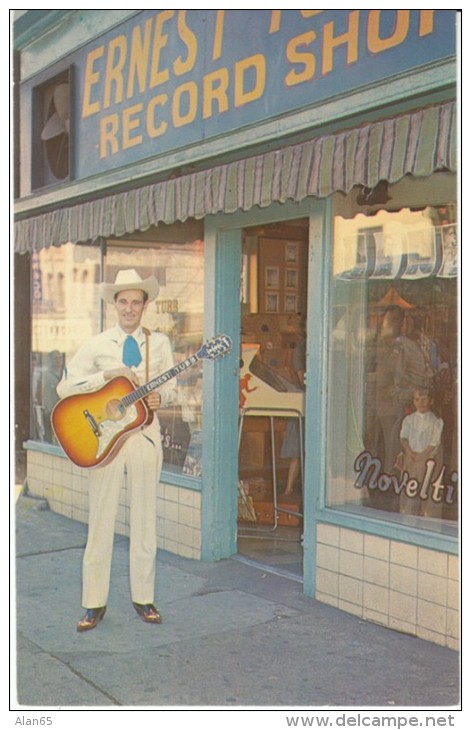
(64, 486)
(404, 587)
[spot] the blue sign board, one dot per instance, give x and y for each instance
(169, 79)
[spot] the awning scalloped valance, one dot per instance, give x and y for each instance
(418, 143)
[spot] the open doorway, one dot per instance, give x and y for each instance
(271, 400)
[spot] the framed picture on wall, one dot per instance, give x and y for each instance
(291, 303)
(272, 277)
(291, 253)
(271, 303)
(291, 278)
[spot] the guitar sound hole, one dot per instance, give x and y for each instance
(115, 410)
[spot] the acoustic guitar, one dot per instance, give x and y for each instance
(92, 426)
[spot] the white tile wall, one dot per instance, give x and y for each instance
(404, 587)
(64, 486)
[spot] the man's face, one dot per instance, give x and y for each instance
(390, 327)
(130, 307)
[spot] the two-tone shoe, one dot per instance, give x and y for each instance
(91, 618)
(148, 613)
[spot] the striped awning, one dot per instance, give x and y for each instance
(417, 143)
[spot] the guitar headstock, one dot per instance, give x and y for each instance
(215, 347)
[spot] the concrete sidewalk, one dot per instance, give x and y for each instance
(232, 636)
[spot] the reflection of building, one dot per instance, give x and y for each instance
(68, 293)
(407, 245)
(239, 178)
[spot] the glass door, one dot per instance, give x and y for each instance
(271, 394)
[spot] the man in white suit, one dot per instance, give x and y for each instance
(125, 349)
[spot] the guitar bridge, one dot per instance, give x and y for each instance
(93, 424)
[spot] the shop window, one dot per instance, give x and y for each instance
(66, 311)
(178, 312)
(393, 397)
(51, 131)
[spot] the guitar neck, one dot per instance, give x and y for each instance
(147, 388)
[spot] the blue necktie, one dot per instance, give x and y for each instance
(131, 352)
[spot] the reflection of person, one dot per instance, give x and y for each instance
(421, 433)
(139, 460)
(291, 446)
(401, 367)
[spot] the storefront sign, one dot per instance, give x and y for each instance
(433, 252)
(166, 306)
(167, 79)
(434, 487)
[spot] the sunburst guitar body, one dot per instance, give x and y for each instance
(92, 426)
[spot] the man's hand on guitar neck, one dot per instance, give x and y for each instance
(153, 400)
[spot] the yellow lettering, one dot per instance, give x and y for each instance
(218, 33)
(350, 37)
(375, 43)
(189, 39)
(130, 124)
(167, 305)
(241, 95)
(108, 130)
(160, 41)
(139, 57)
(275, 21)
(152, 129)
(275, 18)
(426, 20)
(215, 88)
(308, 60)
(91, 78)
(114, 70)
(191, 90)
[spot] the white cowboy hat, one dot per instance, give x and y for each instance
(129, 279)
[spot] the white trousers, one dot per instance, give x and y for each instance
(139, 462)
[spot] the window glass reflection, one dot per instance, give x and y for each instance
(393, 361)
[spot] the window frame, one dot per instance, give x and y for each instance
(38, 158)
(170, 474)
(316, 510)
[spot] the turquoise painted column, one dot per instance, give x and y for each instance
(221, 395)
(320, 236)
